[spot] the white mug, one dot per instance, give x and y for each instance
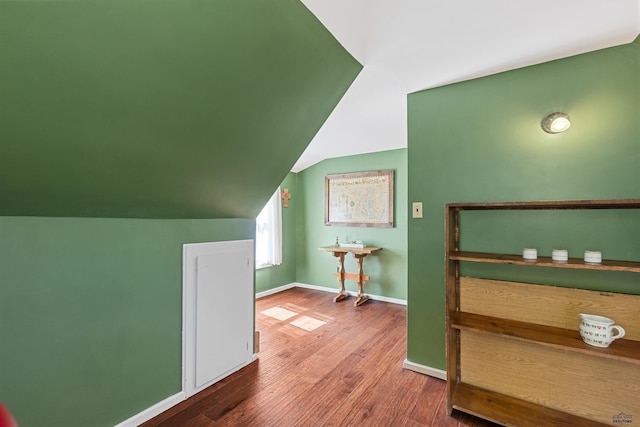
(530, 254)
(598, 330)
(560, 255)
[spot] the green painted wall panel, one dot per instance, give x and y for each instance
(388, 268)
(91, 314)
(159, 108)
(481, 140)
(279, 275)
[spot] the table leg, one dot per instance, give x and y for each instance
(342, 293)
(362, 298)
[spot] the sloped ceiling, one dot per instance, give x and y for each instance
(159, 109)
(412, 45)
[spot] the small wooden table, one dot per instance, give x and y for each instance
(341, 274)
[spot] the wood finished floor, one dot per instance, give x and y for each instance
(347, 372)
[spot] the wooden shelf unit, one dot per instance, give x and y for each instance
(475, 334)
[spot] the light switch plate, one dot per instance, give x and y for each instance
(417, 209)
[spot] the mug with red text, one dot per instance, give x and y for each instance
(598, 330)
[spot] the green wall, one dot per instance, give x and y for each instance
(91, 314)
(284, 274)
(186, 112)
(481, 140)
(159, 108)
(388, 268)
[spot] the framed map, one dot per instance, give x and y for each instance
(362, 199)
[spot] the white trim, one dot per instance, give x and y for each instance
(352, 293)
(275, 290)
(426, 370)
(154, 410)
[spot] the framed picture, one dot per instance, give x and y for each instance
(361, 199)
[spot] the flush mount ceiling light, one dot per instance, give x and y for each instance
(556, 123)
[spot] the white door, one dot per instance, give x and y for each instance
(218, 311)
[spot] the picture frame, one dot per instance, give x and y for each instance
(359, 199)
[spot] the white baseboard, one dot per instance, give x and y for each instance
(334, 291)
(275, 290)
(153, 411)
(426, 370)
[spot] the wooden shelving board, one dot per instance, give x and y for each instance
(620, 349)
(551, 205)
(509, 410)
(573, 263)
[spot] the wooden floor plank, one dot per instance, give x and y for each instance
(347, 372)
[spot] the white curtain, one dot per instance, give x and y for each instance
(269, 233)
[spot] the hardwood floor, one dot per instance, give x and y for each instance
(345, 372)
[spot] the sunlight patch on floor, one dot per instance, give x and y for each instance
(279, 313)
(308, 323)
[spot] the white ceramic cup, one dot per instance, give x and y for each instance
(561, 255)
(530, 254)
(593, 257)
(598, 330)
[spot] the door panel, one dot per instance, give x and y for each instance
(222, 314)
(218, 311)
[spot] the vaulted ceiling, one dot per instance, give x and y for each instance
(412, 45)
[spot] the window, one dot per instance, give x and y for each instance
(269, 233)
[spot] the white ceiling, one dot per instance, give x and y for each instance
(411, 45)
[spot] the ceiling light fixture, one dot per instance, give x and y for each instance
(556, 123)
